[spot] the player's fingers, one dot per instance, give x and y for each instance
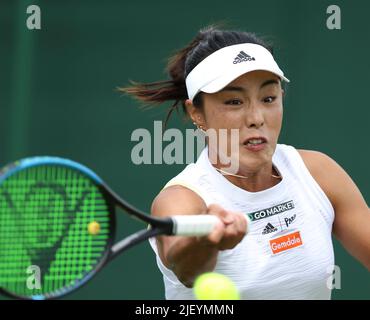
(241, 223)
(234, 233)
(226, 216)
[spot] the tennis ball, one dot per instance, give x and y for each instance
(94, 228)
(215, 286)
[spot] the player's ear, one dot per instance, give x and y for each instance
(194, 113)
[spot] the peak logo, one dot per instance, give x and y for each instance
(288, 221)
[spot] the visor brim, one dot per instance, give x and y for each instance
(221, 82)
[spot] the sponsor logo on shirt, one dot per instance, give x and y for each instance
(286, 242)
(269, 229)
(290, 220)
(265, 213)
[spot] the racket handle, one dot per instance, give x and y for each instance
(194, 225)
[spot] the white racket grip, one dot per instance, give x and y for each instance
(194, 225)
(198, 225)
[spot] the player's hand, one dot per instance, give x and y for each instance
(231, 229)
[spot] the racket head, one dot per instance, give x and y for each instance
(46, 207)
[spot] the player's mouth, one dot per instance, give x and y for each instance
(255, 143)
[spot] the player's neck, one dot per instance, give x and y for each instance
(263, 179)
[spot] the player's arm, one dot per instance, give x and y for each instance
(188, 257)
(352, 215)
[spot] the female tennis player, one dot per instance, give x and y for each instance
(294, 199)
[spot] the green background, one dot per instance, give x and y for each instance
(58, 97)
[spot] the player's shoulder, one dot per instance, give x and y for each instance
(316, 161)
(177, 199)
(325, 170)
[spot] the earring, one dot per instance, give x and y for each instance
(198, 126)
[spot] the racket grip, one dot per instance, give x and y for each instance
(194, 225)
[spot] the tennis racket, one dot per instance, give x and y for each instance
(57, 227)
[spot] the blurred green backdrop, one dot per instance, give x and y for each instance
(58, 97)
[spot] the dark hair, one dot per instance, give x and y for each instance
(207, 41)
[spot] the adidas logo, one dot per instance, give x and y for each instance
(242, 56)
(269, 228)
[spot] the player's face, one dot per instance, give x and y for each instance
(253, 105)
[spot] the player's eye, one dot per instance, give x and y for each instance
(269, 99)
(234, 102)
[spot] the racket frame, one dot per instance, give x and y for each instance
(27, 163)
(157, 226)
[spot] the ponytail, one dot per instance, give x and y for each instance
(155, 93)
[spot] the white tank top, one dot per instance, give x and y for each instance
(288, 253)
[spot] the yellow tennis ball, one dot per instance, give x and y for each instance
(215, 286)
(94, 228)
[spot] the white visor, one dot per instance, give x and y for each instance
(226, 64)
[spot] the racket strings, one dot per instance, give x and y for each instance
(44, 215)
